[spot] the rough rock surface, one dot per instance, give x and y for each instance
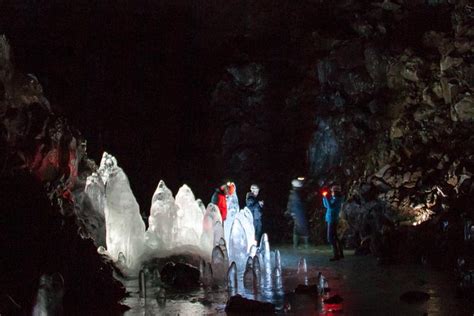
(48, 225)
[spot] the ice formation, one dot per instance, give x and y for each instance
(189, 218)
(125, 230)
(95, 190)
(232, 276)
(162, 220)
(246, 219)
(233, 208)
(238, 245)
(219, 264)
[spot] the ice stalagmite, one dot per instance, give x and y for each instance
(207, 236)
(95, 190)
(302, 268)
(161, 233)
(256, 269)
(249, 278)
(232, 210)
(277, 278)
(219, 265)
(265, 251)
(232, 276)
(125, 229)
(202, 207)
(218, 230)
(189, 218)
(277, 259)
(206, 273)
(246, 218)
(238, 245)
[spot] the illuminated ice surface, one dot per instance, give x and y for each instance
(125, 229)
(95, 190)
(233, 208)
(189, 218)
(162, 220)
(238, 245)
(246, 219)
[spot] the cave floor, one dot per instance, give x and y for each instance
(366, 288)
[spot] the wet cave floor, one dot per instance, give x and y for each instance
(366, 288)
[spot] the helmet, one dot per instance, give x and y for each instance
(296, 183)
(336, 188)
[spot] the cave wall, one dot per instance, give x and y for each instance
(374, 96)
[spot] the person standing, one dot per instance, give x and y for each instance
(256, 207)
(219, 199)
(296, 210)
(333, 208)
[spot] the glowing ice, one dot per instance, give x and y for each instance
(238, 245)
(219, 265)
(95, 190)
(189, 220)
(232, 202)
(125, 229)
(246, 219)
(232, 276)
(265, 251)
(277, 259)
(163, 219)
(256, 269)
(302, 268)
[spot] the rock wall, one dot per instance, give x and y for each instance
(377, 98)
(46, 220)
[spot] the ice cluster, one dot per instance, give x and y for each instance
(180, 224)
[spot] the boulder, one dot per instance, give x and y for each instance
(240, 305)
(463, 111)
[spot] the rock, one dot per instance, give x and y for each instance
(326, 71)
(376, 65)
(349, 55)
(449, 90)
(180, 275)
(463, 111)
(412, 297)
(412, 69)
(381, 172)
(240, 305)
(356, 82)
(448, 62)
(248, 76)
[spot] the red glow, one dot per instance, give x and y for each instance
(325, 193)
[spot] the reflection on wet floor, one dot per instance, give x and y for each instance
(365, 287)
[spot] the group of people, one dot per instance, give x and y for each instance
(333, 206)
(225, 196)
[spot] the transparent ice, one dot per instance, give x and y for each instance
(125, 229)
(238, 245)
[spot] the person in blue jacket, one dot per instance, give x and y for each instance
(333, 206)
(255, 206)
(296, 210)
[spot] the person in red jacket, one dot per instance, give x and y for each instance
(218, 198)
